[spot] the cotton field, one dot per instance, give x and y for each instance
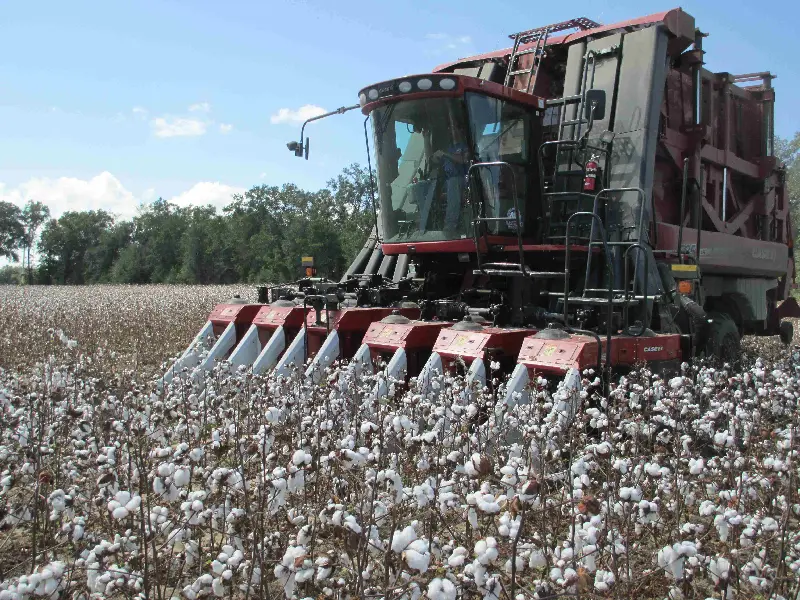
(112, 486)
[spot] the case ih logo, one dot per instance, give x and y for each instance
(654, 348)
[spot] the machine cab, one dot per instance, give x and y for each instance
(433, 135)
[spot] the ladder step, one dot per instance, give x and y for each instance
(575, 122)
(515, 270)
(564, 100)
(513, 273)
(528, 51)
(594, 301)
(520, 72)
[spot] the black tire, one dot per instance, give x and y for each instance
(724, 342)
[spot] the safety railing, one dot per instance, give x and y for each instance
(609, 272)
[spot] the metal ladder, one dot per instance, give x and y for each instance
(538, 35)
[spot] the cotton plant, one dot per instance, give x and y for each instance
(243, 485)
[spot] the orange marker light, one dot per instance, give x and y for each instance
(685, 287)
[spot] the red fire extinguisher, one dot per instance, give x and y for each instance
(592, 174)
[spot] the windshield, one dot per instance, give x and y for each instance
(422, 153)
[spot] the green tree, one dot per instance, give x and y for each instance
(34, 215)
(67, 244)
(158, 231)
(12, 231)
(100, 259)
(353, 199)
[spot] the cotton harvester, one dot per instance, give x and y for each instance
(591, 197)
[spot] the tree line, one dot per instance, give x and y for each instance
(259, 237)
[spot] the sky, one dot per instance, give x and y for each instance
(113, 104)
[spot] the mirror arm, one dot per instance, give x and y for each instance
(339, 111)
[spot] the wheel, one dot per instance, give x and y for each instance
(723, 338)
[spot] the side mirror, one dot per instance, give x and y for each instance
(297, 148)
(595, 105)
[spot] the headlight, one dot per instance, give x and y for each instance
(424, 84)
(373, 94)
(405, 86)
(362, 99)
(447, 84)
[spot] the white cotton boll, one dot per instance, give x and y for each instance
(653, 469)
(537, 560)
(696, 466)
(441, 589)
(120, 513)
(235, 559)
(520, 565)
(181, 477)
(217, 567)
(457, 558)
(472, 515)
(367, 427)
(486, 551)
(417, 556)
(218, 588)
(196, 454)
(401, 539)
(165, 469)
(603, 580)
(134, 504)
(555, 574)
(77, 532)
(351, 524)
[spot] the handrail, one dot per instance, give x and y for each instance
(610, 272)
(683, 208)
(481, 219)
(647, 265)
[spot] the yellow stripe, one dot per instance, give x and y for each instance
(684, 267)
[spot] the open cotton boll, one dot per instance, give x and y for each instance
(458, 557)
(181, 477)
(417, 556)
(301, 457)
(441, 589)
(402, 539)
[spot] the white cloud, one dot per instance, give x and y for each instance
(206, 192)
(287, 115)
(165, 127)
(200, 107)
(106, 192)
(225, 128)
(139, 111)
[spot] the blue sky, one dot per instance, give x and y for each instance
(109, 104)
